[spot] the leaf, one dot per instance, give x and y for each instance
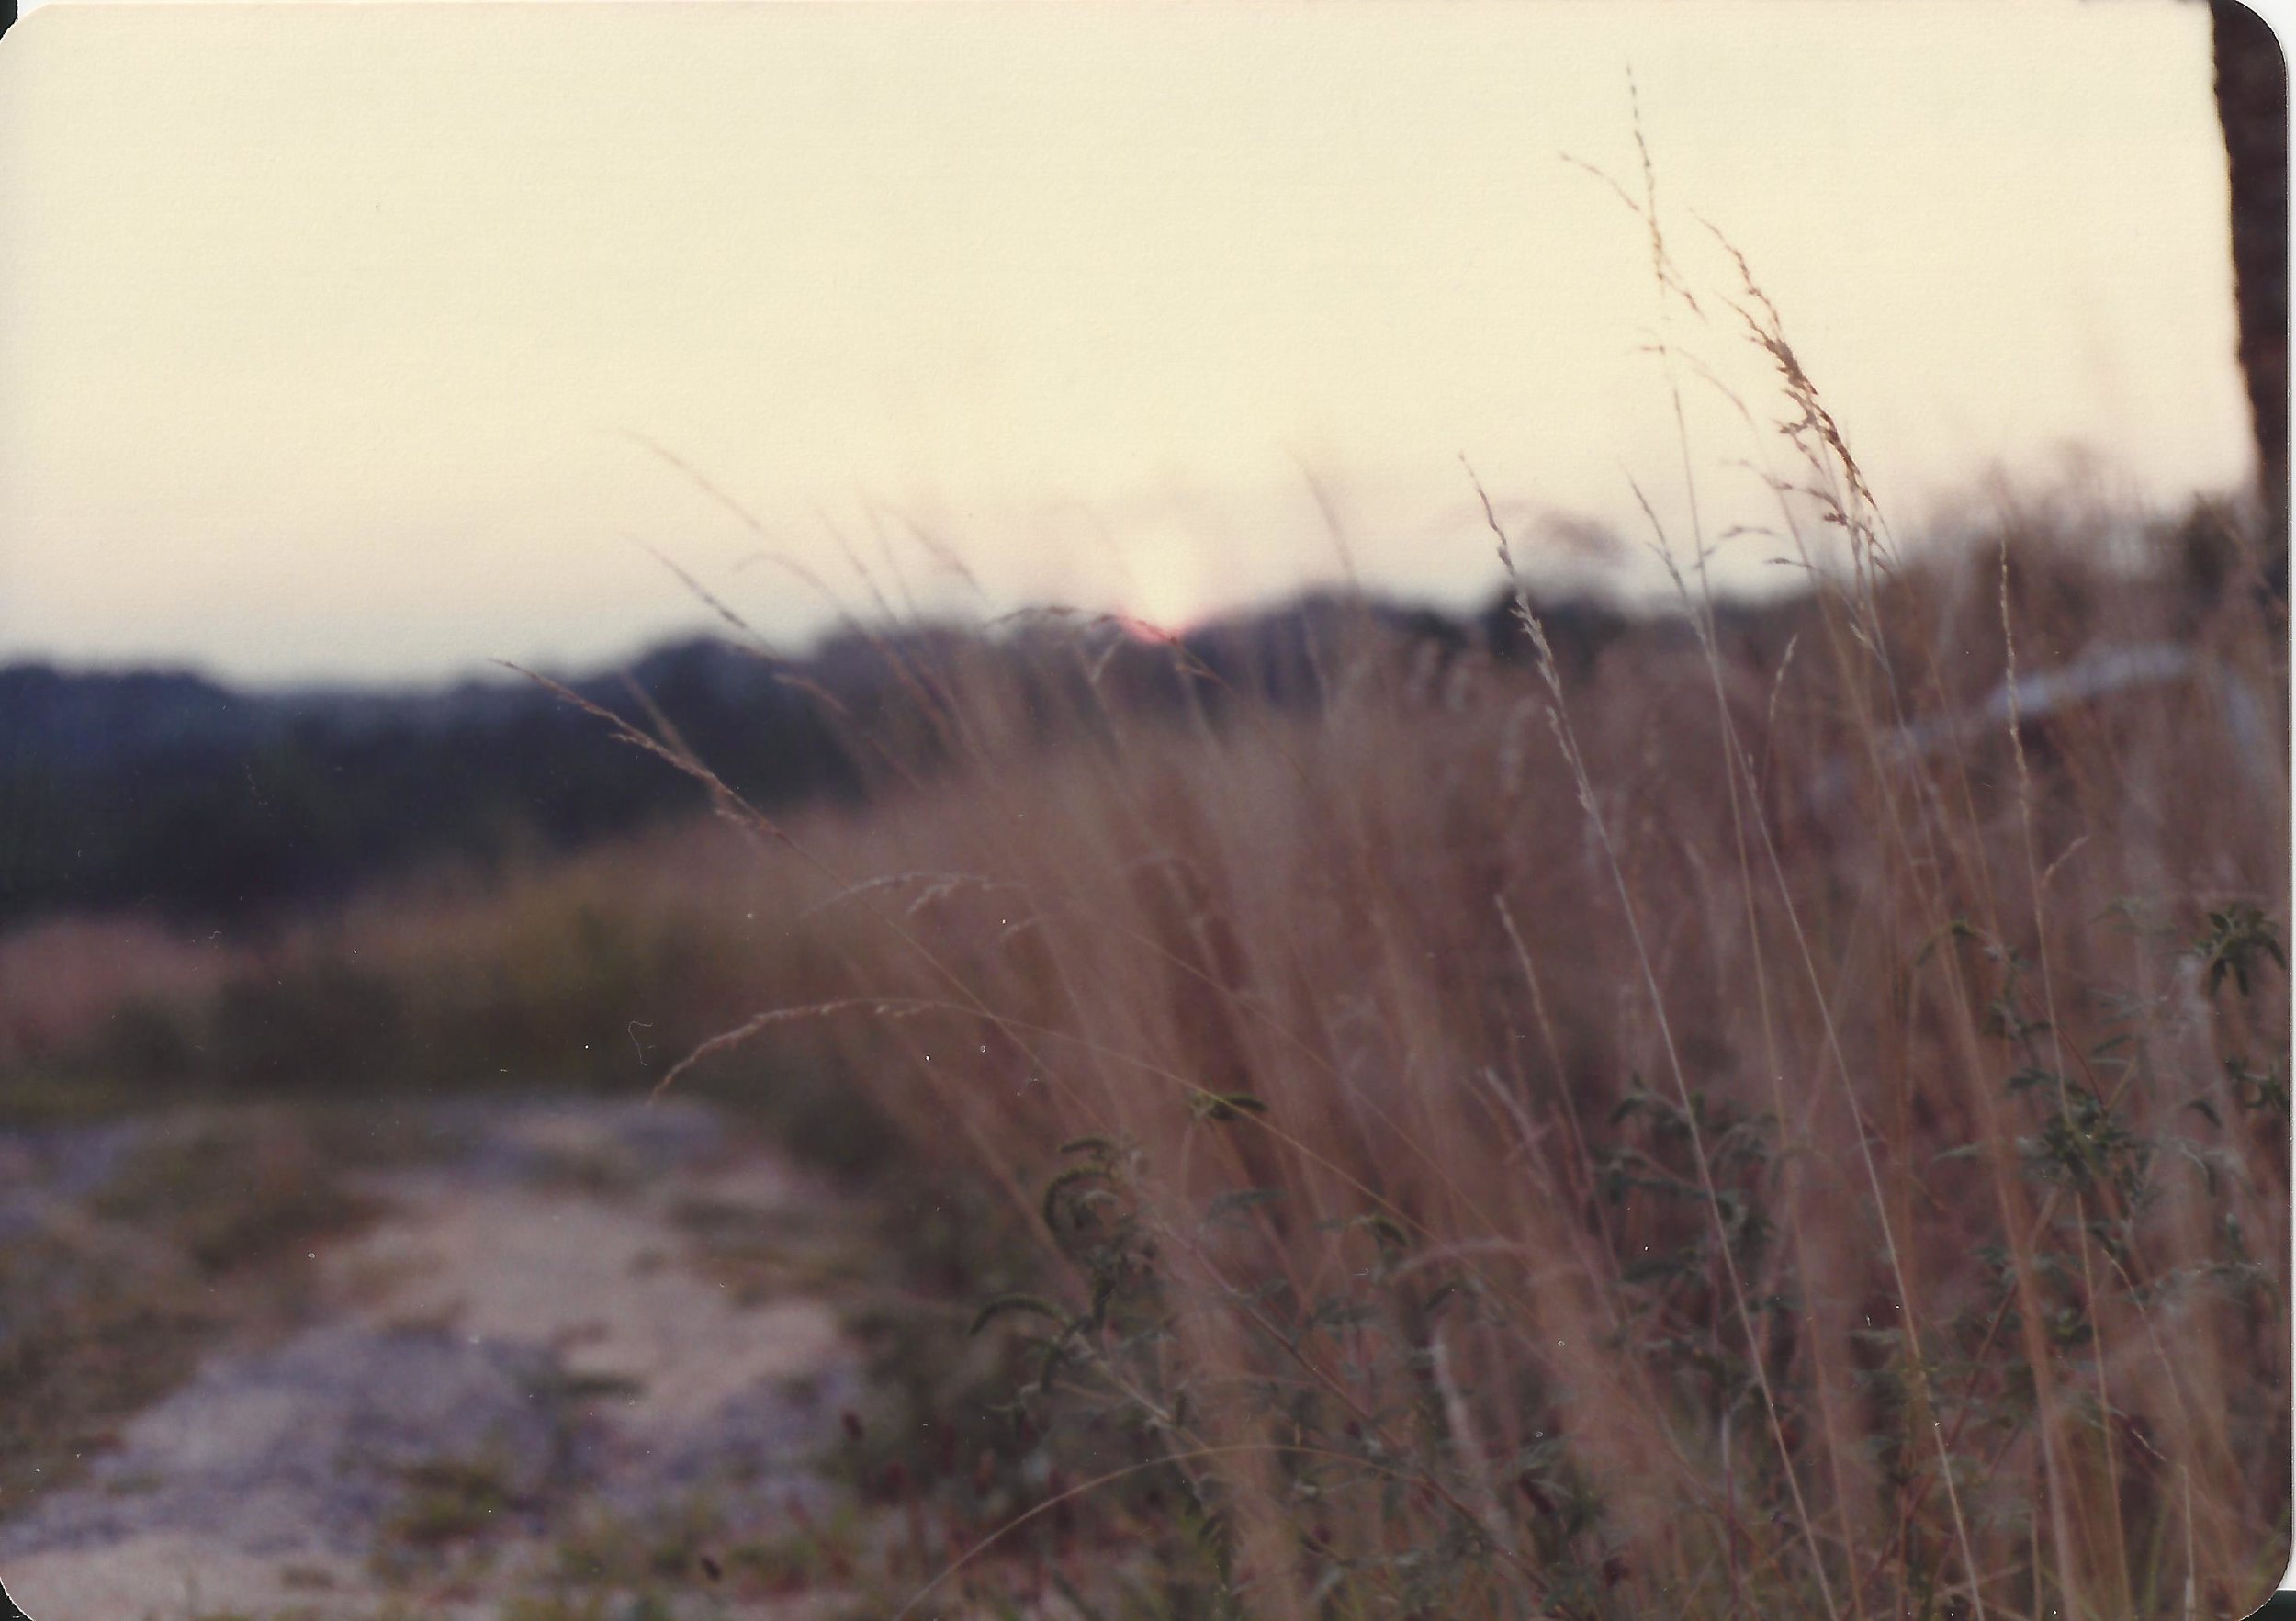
(1387, 1230)
(1059, 1185)
(1004, 1305)
(1239, 1201)
(2237, 935)
(1102, 1293)
(1223, 1106)
(1929, 945)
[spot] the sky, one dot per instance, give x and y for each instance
(369, 343)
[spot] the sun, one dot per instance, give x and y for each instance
(1164, 591)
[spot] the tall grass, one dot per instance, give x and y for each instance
(1777, 1128)
(1790, 1120)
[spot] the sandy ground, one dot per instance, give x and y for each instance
(534, 1308)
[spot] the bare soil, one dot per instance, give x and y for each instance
(537, 1374)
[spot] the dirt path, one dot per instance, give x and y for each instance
(583, 1346)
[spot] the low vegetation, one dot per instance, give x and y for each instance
(1785, 1113)
(1791, 1124)
(1503, 1148)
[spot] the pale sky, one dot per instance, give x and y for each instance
(332, 338)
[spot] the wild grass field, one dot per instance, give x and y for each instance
(1789, 1117)
(1760, 1132)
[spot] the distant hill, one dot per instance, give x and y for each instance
(163, 789)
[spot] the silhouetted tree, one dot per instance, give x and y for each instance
(2252, 108)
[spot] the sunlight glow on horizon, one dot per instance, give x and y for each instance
(334, 334)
